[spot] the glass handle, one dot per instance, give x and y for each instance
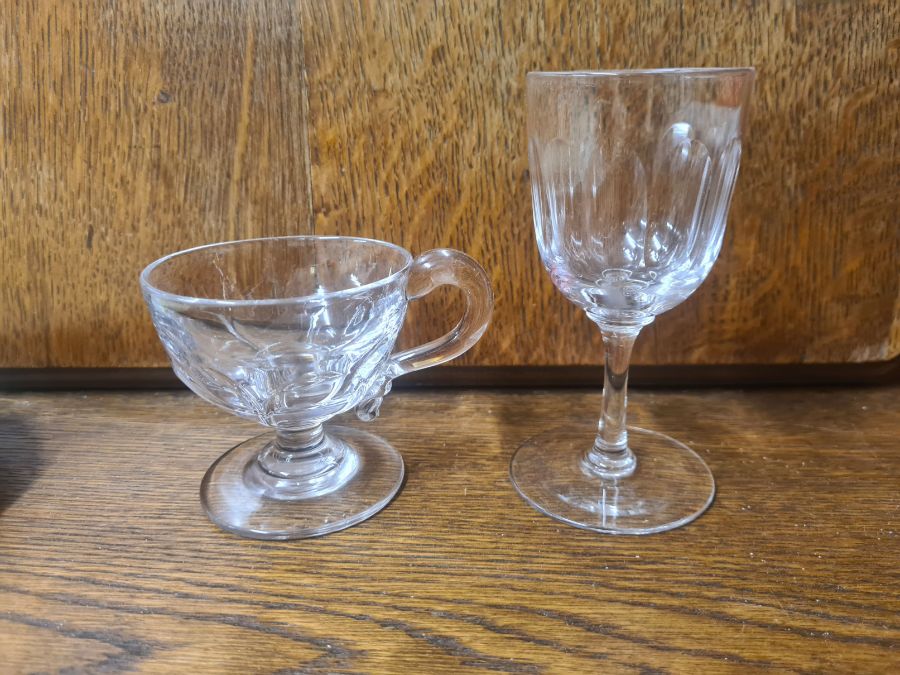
(444, 267)
(440, 267)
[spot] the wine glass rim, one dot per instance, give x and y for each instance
(157, 292)
(692, 71)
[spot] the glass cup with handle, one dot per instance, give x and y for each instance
(632, 174)
(289, 332)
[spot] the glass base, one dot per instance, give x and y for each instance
(669, 487)
(355, 476)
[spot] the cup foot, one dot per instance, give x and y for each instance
(670, 486)
(236, 501)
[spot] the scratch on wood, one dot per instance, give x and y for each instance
(240, 142)
(304, 131)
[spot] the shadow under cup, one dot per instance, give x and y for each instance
(290, 332)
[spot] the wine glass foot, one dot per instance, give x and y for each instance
(670, 486)
(240, 498)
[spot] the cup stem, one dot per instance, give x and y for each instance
(300, 454)
(300, 440)
(305, 455)
(610, 455)
(300, 464)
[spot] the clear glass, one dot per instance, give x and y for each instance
(290, 332)
(632, 174)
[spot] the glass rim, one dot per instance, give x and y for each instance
(157, 292)
(634, 72)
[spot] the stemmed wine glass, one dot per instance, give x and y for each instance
(632, 174)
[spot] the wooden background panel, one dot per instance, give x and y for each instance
(136, 128)
(418, 136)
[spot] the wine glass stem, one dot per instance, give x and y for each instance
(610, 454)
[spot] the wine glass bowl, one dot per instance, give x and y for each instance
(632, 174)
(290, 332)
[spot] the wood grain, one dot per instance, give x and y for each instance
(131, 129)
(107, 562)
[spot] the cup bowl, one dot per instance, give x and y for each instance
(285, 331)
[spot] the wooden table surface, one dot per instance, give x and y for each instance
(107, 562)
